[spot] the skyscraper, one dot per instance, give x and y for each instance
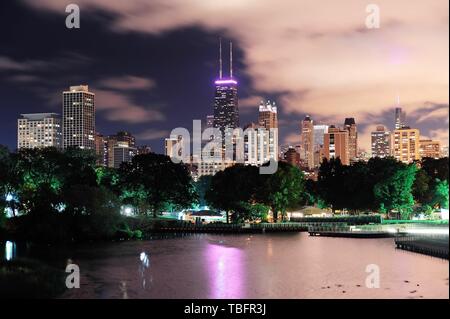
(400, 118)
(39, 130)
(307, 142)
(405, 146)
(381, 142)
(101, 149)
(226, 111)
(79, 118)
(350, 126)
(268, 119)
(336, 144)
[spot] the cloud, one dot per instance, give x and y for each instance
(440, 113)
(117, 106)
(292, 139)
(440, 135)
(152, 134)
(128, 82)
(318, 59)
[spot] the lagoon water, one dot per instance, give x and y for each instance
(292, 265)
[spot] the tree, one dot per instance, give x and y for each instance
(436, 168)
(329, 184)
(422, 187)
(283, 189)
(154, 182)
(440, 197)
(395, 192)
(232, 189)
(201, 187)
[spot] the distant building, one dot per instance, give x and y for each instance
(429, 148)
(173, 146)
(39, 130)
(209, 121)
(143, 149)
(101, 149)
(336, 144)
(381, 142)
(226, 110)
(400, 118)
(405, 144)
(121, 148)
(444, 151)
(350, 126)
(122, 152)
(260, 145)
(307, 142)
(79, 118)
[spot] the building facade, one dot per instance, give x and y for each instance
(39, 130)
(381, 142)
(405, 144)
(350, 126)
(430, 148)
(79, 118)
(336, 145)
(307, 142)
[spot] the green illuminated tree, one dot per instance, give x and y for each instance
(154, 182)
(441, 194)
(395, 192)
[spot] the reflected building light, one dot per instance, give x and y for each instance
(225, 270)
(10, 250)
(145, 259)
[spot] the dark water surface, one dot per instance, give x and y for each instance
(246, 266)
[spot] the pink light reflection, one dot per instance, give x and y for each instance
(225, 272)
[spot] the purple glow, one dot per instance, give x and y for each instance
(224, 272)
(228, 81)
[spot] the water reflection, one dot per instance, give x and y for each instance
(225, 269)
(144, 265)
(10, 250)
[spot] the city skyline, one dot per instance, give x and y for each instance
(168, 82)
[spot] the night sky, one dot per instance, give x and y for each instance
(152, 63)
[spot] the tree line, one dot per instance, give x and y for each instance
(64, 193)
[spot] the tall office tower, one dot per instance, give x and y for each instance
(226, 111)
(126, 143)
(405, 144)
(101, 149)
(268, 119)
(381, 142)
(39, 130)
(336, 144)
(429, 148)
(350, 126)
(400, 118)
(307, 142)
(79, 118)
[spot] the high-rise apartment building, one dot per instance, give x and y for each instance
(336, 144)
(39, 130)
(292, 157)
(381, 142)
(307, 142)
(405, 144)
(79, 118)
(350, 126)
(268, 120)
(429, 148)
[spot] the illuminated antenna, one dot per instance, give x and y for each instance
(231, 59)
(220, 58)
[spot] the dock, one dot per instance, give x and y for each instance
(436, 246)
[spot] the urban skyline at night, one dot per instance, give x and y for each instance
(137, 95)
